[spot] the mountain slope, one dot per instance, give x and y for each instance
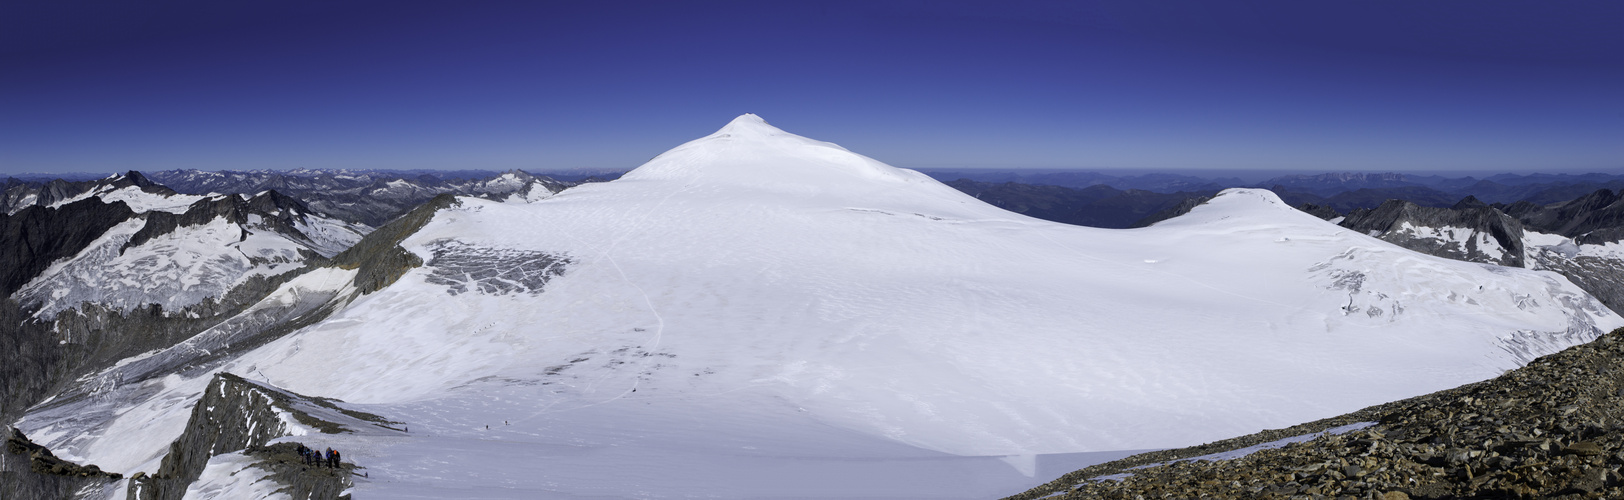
(178, 260)
(755, 313)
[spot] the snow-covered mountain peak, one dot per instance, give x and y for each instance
(749, 124)
(749, 154)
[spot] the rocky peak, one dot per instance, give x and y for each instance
(1469, 202)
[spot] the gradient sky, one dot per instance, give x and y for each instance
(1161, 85)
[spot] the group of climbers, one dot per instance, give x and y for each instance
(330, 458)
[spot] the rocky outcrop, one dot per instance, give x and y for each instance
(28, 470)
(379, 257)
(237, 415)
(1552, 429)
(299, 480)
(1601, 277)
(1324, 212)
(33, 238)
(1469, 231)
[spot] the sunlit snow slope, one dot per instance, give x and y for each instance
(881, 300)
(754, 286)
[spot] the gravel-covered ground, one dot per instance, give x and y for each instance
(1552, 429)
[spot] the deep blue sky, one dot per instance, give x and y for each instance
(1295, 85)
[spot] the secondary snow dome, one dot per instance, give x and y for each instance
(756, 297)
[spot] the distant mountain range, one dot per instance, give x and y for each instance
(370, 197)
(1343, 191)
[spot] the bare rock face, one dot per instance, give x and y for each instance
(1552, 429)
(28, 470)
(1469, 231)
(239, 416)
(34, 237)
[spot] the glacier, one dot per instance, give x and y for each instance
(756, 314)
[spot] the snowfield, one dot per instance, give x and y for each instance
(755, 314)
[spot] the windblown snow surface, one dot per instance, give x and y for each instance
(755, 314)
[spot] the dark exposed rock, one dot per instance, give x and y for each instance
(1324, 212)
(1600, 277)
(1471, 217)
(236, 415)
(299, 480)
(1552, 429)
(28, 470)
(379, 256)
(33, 238)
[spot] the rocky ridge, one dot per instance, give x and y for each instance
(269, 210)
(21, 195)
(237, 415)
(1593, 219)
(28, 470)
(1471, 230)
(367, 197)
(1552, 429)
